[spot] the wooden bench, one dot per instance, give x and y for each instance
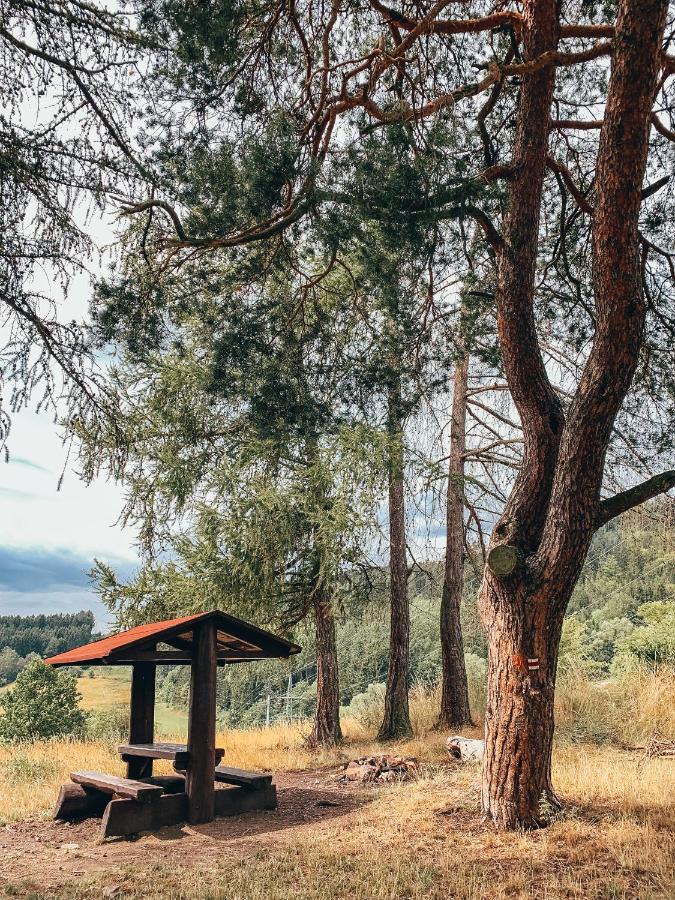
(256, 781)
(128, 806)
(120, 787)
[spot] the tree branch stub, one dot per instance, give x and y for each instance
(503, 560)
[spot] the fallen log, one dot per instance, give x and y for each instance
(78, 802)
(465, 749)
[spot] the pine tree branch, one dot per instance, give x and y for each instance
(634, 496)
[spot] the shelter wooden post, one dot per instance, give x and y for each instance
(200, 777)
(141, 716)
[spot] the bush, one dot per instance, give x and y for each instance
(42, 704)
(23, 769)
(108, 725)
(651, 642)
(368, 707)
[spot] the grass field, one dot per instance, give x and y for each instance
(109, 689)
(615, 838)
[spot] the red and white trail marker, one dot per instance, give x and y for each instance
(533, 664)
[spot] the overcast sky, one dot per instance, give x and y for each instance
(49, 538)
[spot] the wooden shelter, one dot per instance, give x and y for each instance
(142, 801)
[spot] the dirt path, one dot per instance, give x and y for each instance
(48, 854)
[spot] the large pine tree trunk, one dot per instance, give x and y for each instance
(326, 730)
(540, 543)
(455, 710)
(396, 721)
(519, 720)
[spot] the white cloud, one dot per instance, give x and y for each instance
(45, 532)
(34, 513)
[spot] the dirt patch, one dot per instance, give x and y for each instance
(48, 854)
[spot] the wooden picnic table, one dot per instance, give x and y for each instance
(200, 788)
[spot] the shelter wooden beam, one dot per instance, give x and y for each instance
(141, 716)
(176, 657)
(200, 776)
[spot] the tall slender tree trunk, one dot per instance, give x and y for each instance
(539, 545)
(396, 721)
(326, 730)
(455, 710)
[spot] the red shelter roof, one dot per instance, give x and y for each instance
(236, 641)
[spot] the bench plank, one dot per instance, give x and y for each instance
(123, 787)
(254, 780)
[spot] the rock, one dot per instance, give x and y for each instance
(379, 768)
(466, 749)
(69, 847)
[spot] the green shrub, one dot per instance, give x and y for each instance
(651, 642)
(42, 704)
(24, 769)
(368, 707)
(108, 725)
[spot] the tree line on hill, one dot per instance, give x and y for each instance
(41, 635)
(378, 267)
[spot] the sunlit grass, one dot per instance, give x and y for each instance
(425, 840)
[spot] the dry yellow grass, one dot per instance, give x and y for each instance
(616, 838)
(425, 840)
(30, 774)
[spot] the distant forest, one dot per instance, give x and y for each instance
(623, 609)
(45, 635)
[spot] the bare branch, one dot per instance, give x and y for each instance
(634, 496)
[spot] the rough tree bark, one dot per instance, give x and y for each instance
(396, 721)
(455, 710)
(326, 730)
(539, 545)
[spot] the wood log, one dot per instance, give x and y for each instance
(123, 787)
(123, 817)
(170, 784)
(78, 802)
(252, 780)
(236, 800)
(465, 749)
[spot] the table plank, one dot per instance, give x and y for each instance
(176, 752)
